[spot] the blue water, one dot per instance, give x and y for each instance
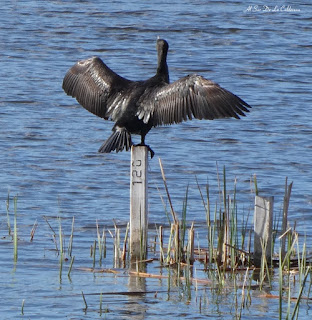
(48, 143)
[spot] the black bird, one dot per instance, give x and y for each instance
(137, 106)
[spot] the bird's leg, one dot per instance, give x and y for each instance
(151, 151)
(148, 147)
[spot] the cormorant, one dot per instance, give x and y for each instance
(137, 106)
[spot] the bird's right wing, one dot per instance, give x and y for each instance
(95, 86)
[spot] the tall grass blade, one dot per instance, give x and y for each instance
(256, 185)
(167, 191)
(124, 250)
(100, 243)
(33, 230)
(183, 222)
(85, 302)
(71, 239)
(101, 302)
(22, 310)
(94, 253)
(280, 278)
(190, 247)
(300, 292)
(161, 244)
(201, 195)
(71, 266)
(54, 233)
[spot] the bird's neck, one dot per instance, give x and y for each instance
(162, 69)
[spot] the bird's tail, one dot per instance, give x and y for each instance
(120, 139)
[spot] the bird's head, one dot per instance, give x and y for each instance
(162, 46)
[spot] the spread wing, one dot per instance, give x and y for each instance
(96, 87)
(188, 97)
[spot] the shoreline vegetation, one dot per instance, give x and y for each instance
(217, 255)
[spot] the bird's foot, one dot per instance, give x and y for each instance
(148, 147)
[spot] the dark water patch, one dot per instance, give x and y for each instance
(21, 102)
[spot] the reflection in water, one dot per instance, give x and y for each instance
(136, 306)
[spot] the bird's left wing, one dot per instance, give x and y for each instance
(188, 97)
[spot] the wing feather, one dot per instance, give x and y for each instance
(191, 96)
(95, 86)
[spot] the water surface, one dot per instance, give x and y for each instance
(48, 143)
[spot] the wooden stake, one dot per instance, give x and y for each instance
(138, 203)
(263, 220)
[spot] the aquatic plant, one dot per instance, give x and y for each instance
(199, 262)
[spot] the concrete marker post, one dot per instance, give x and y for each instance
(138, 203)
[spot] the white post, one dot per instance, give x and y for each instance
(263, 220)
(138, 203)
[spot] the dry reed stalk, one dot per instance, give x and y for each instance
(167, 191)
(85, 302)
(124, 248)
(71, 266)
(71, 239)
(117, 247)
(158, 276)
(177, 256)
(161, 245)
(93, 251)
(190, 248)
(33, 230)
(285, 212)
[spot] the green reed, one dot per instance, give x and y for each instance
(85, 302)
(229, 249)
(222, 251)
(22, 309)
